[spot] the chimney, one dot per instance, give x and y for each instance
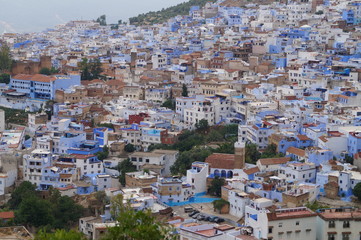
(239, 155)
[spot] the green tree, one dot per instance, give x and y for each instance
(65, 211)
(202, 125)
(102, 20)
(5, 58)
(215, 188)
(349, 159)
(169, 103)
(103, 154)
(84, 68)
(60, 234)
(252, 154)
(135, 225)
(219, 204)
(45, 71)
(227, 147)
(125, 167)
(96, 68)
(186, 158)
(271, 152)
(129, 148)
(107, 125)
(315, 205)
(184, 91)
(214, 136)
(90, 69)
(357, 191)
(34, 211)
(23, 191)
(5, 78)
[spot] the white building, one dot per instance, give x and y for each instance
(197, 177)
(298, 172)
(35, 163)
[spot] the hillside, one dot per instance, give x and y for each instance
(167, 13)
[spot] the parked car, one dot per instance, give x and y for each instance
(211, 218)
(218, 220)
(188, 209)
(201, 217)
(195, 216)
(193, 213)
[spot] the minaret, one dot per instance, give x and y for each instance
(239, 155)
(133, 56)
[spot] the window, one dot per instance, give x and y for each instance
(280, 224)
(346, 224)
(345, 236)
(270, 229)
(297, 223)
(331, 224)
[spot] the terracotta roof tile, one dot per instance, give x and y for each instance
(250, 171)
(7, 215)
(296, 151)
(221, 160)
(274, 161)
(36, 77)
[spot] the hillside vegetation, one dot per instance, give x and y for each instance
(166, 13)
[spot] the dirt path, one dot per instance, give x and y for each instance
(338, 203)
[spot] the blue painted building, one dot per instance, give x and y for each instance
(87, 147)
(354, 143)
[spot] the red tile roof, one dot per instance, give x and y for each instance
(303, 137)
(36, 77)
(296, 151)
(250, 171)
(7, 215)
(290, 214)
(274, 161)
(221, 160)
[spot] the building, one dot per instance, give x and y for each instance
(171, 190)
(338, 223)
(197, 177)
(140, 179)
(42, 86)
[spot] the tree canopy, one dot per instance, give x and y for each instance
(357, 191)
(215, 188)
(252, 154)
(102, 20)
(54, 212)
(5, 78)
(125, 167)
(169, 103)
(129, 148)
(202, 125)
(90, 69)
(135, 225)
(5, 58)
(166, 13)
(48, 71)
(184, 91)
(103, 154)
(60, 234)
(271, 152)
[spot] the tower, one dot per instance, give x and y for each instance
(2, 120)
(133, 56)
(239, 155)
